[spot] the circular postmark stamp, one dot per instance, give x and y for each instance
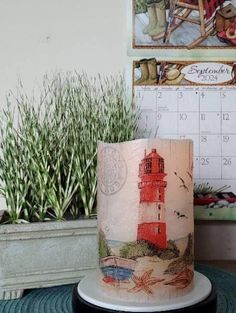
(112, 171)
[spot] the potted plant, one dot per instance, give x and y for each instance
(48, 177)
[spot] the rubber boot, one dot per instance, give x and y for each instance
(144, 72)
(152, 68)
(152, 19)
(161, 19)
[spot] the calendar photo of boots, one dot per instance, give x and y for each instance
(152, 16)
(148, 69)
(185, 24)
(157, 18)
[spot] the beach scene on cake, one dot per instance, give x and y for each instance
(145, 219)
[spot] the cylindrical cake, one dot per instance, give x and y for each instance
(145, 219)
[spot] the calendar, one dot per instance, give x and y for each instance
(194, 101)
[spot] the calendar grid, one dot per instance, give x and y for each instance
(205, 115)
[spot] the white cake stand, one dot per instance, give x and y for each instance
(89, 297)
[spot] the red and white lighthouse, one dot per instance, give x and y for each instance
(152, 225)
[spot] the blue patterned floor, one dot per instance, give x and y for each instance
(58, 299)
(226, 287)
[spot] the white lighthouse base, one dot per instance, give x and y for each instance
(88, 297)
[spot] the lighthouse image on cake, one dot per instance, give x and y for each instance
(152, 225)
(146, 227)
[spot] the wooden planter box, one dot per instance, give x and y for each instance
(45, 254)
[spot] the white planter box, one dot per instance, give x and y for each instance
(45, 254)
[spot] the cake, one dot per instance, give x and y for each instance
(145, 219)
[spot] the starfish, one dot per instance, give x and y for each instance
(144, 282)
